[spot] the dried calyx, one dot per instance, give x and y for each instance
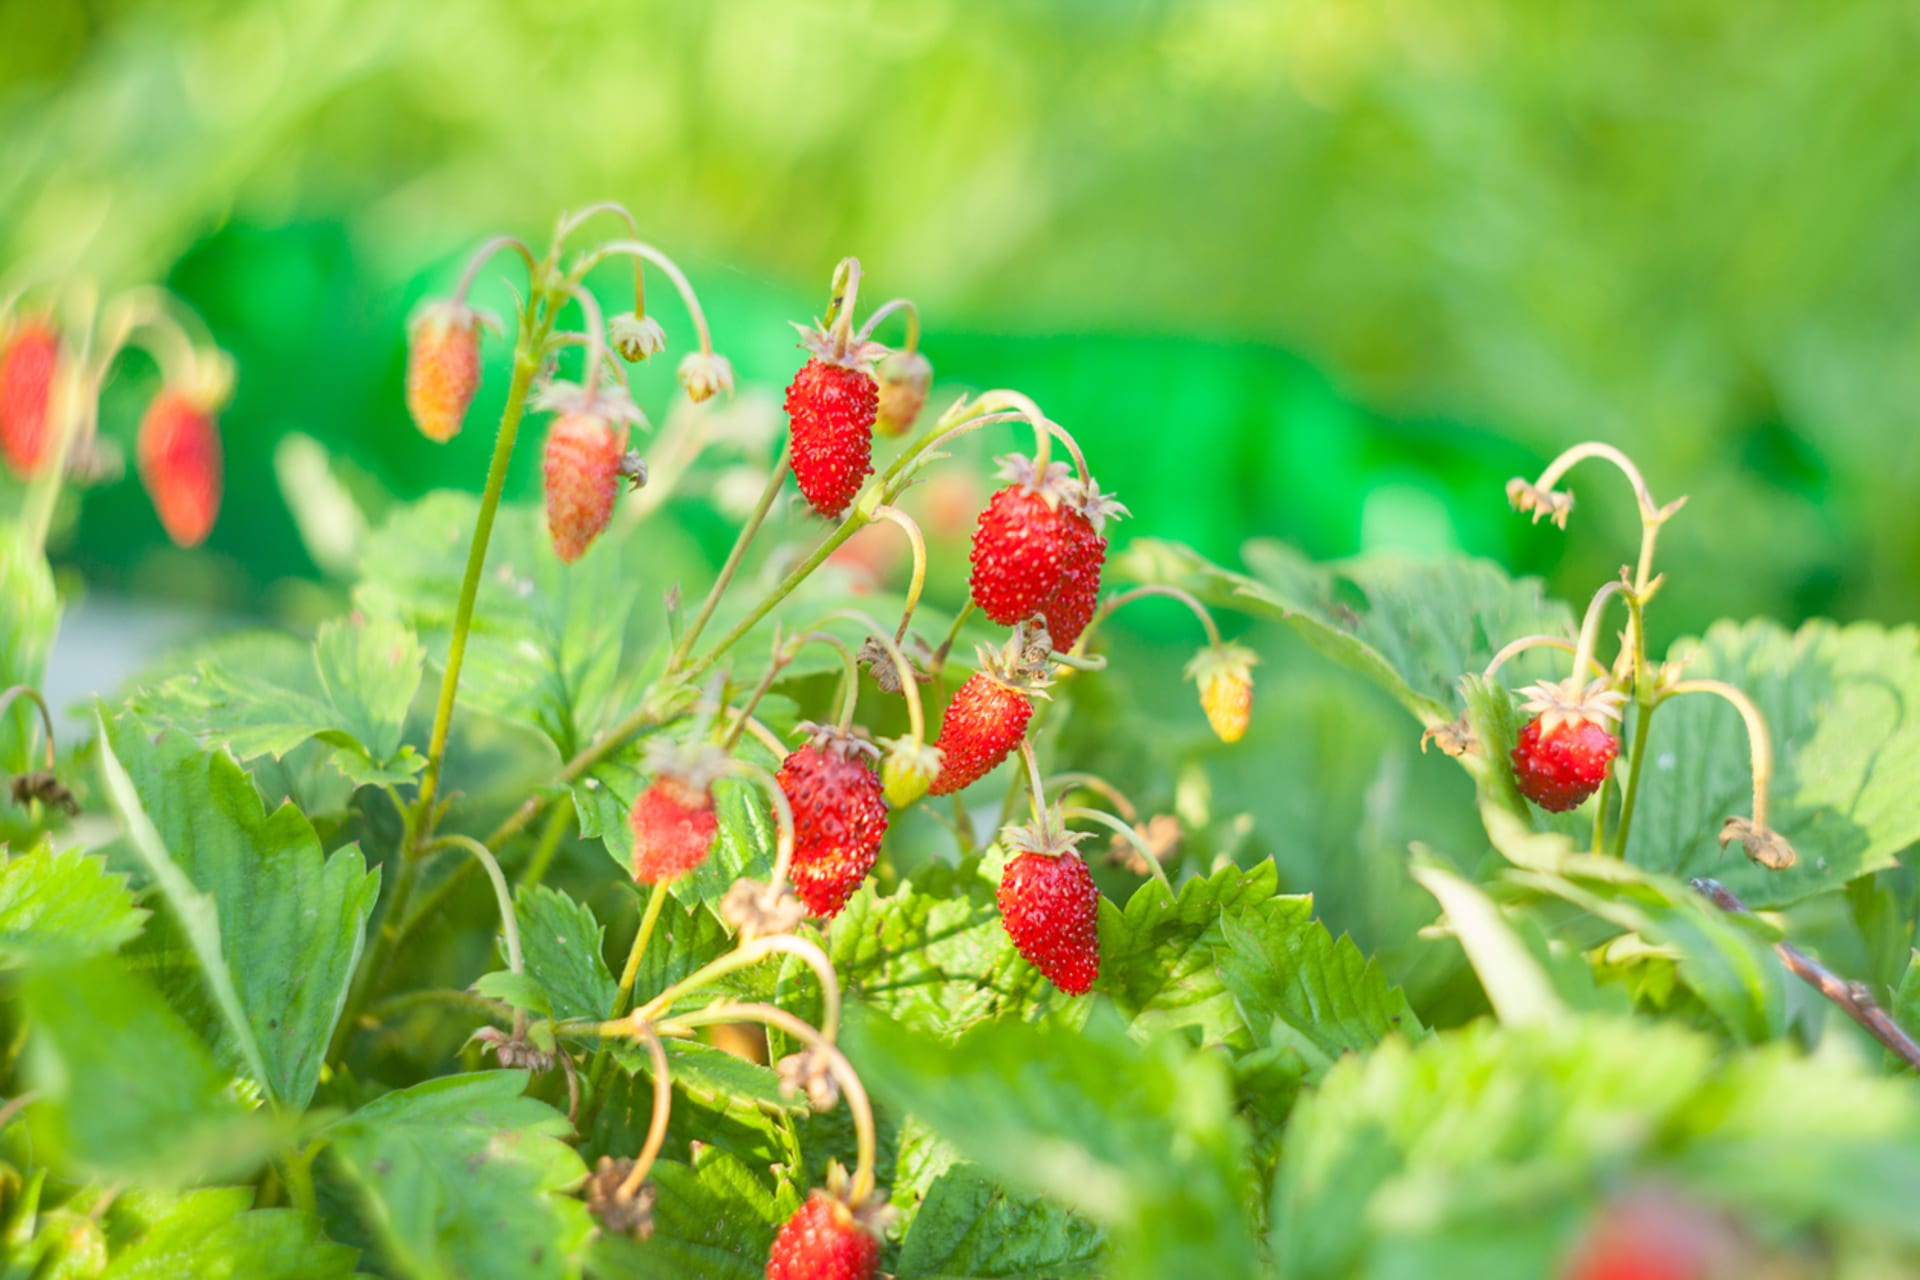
(1572, 702)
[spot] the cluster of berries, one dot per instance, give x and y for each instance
(48, 413)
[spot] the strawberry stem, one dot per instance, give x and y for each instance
(1759, 741)
(503, 898)
(1590, 628)
(846, 295)
(885, 309)
(1199, 611)
(746, 955)
(479, 259)
(909, 683)
(775, 479)
(1127, 833)
(32, 694)
(596, 337)
(639, 249)
(657, 1123)
(1517, 647)
(919, 579)
(572, 222)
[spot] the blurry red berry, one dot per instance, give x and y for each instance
(830, 410)
(1560, 768)
(443, 368)
(823, 1241)
(673, 830)
(28, 363)
(178, 452)
(582, 471)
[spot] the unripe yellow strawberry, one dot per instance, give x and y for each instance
(908, 771)
(443, 368)
(1225, 676)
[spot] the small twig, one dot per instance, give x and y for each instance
(1852, 997)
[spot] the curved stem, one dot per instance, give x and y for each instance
(849, 671)
(1759, 742)
(953, 633)
(1064, 782)
(745, 956)
(853, 523)
(636, 248)
(623, 994)
(509, 922)
(597, 353)
(1127, 833)
(909, 683)
(1590, 626)
(1036, 786)
(573, 222)
(740, 544)
(1517, 647)
(846, 296)
(763, 735)
(843, 1073)
(886, 309)
(743, 714)
(657, 1124)
(32, 694)
(486, 250)
(1649, 509)
(550, 837)
(1200, 611)
(919, 545)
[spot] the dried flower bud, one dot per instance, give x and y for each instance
(621, 1214)
(904, 378)
(809, 1072)
(1225, 676)
(636, 337)
(1763, 844)
(754, 912)
(874, 658)
(705, 375)
(443, 368)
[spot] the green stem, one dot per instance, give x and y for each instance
(542, 857)
(526, 363)
(1642, 722)
(740, 544)
(854, 522)
(623, 995)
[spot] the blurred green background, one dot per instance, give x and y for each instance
(1329, 271)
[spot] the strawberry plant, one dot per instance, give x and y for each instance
(563, 909)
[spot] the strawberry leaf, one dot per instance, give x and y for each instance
(560, 941)
(464, 1176)
(197, 1231)
(969, 1226)
(712, 1220)
(60, 907)
(1157, 954)
(27, 627)
(275, 926)
(1413, 627)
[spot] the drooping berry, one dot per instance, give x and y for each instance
(29, 361)
(1558, 769)
(824, 1240)
(1051, 909)
(673, 829)
(1225, 676)
(983, 723)
(636, 337)
(443, 368)
(1653, 1234)
(582, 471)
(1020, 542)
(178, 453)
(904, 378)
(908, 771)
(839, 819)
(1083, 523)
(830, 412)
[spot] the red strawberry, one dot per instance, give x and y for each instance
(582, 469)
(839, 819)
(1051, 910)
(983, 724)
(178, 451)
(1559, 768)
(673, 829)
(28, 364)
(443, 368)
(1652, 1234)
(1020, 543)
(1083, 522)
(824, 1240)
(831, 408)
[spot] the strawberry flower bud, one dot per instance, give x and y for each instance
(1225, 676)
(636, 337)
(705, 375)
(443, 368)
(904, 377)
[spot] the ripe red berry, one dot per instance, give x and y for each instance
(1051, 910)
(1083, 555)
(831, 409)
(1560, 767)
(443, 368)
(582, 470)
(1653, 1234)
(1020, 543)
(839, 819)
(983, 723)
(178, 451)
(823, 1241)
(673, 829)
(28, 364)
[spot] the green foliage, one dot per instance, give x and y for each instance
(275, 925)
(56, 908)
(26, 637)
(463, 1176)
(215, 1234)
(970, 1227)
(712, 1220)
(561, 940)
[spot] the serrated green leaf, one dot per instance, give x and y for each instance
(970, 1228)
(711, 1221)
(1157, 954)
(1413, 627)
(546, 639)
(275, 925)
(60, 907)
(27, 627)
(129, 1088)
(265, 693)
(465, 1177)
(560, 941)
(215, 1234)
(1140, 1138)
(1473, 1131)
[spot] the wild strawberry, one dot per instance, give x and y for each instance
(824, 1240)
(1050, 906)
(831, 405)
(1650, 1234)
(28, 362)
(673, 820)
(983, 723)
(1225, 676)
(1020, 542)
(904, 378)
(1083, 520)
(178, 451)
(443, 368)
(1564, 751)
(586, 458)
(839, 818)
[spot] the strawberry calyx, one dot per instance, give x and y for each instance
(1054, 484)
(1084, 497)
(845, 744)
(830, 347)
(1046, 835)
(607, 402)
(1571, 703)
